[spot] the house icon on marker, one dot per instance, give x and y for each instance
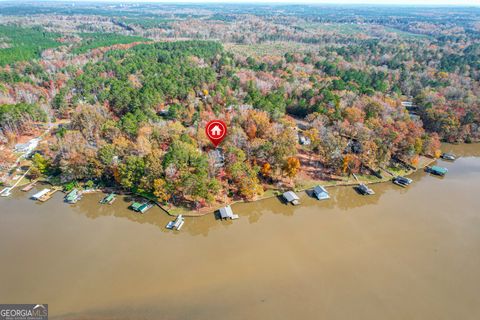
(216, 131)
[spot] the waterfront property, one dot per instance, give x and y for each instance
(176, 224)
(73, 196)
(41, 194)
(364, 189)
(321, 193)
(402, 181)
(436, 170)
(141, 207)
(227, 213)
(109, 199)
(291, 197)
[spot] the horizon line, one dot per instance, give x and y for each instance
(408, 3)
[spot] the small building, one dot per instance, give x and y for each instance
(291, 197)
(321, 193)
(39, 195)
(407, 104)
(227, 213)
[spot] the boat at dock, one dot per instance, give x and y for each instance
(364, 189)
(141, 207)
(436, 170)
(73, 196)
(402, 181)
(109, 199)
(448, 156)
(176, 224)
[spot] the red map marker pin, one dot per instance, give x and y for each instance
(216, 131)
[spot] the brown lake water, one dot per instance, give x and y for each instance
(401, 254)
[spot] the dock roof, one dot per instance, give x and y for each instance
(40, 194)
(226, 212)
(439, 169)
(290, 196)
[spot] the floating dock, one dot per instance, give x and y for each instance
(29, 186)
(177, 224)
(44, 195)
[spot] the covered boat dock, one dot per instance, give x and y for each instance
(227, 213)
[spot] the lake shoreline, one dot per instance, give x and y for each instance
(277, 192)
(269, 193)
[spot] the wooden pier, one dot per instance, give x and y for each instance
(29, 186)
(48, 195)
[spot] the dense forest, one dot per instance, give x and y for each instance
(133, 99)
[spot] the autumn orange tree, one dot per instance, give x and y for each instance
(291, 167)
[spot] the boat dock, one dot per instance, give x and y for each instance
(436, 170)
(45, 194)
(177, 224)
(29, 186)
(141, 207)
(73, 196)
(291, 197)
(227, 213)
(109, 199)
(6, 192)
